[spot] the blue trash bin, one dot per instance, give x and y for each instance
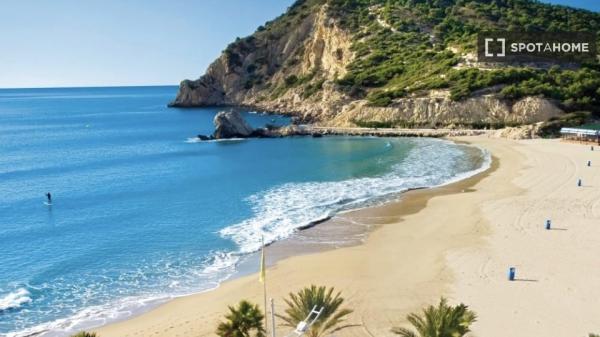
(511, 273)
(579, 182)
(548, 224)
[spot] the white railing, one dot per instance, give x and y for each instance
(581, 132)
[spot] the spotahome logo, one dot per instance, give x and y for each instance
(546, 47)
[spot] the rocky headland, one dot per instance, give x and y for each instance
(367, 66)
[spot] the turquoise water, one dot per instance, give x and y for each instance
(141, 212)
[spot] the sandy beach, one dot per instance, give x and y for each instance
(455, 241)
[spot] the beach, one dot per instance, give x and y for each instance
(169, 217)
(456, 241)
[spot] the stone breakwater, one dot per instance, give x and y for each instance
(230, 124)
(317, 131)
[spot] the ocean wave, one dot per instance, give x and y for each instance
(90, 317)
(15, 300)
(217, 267)
(225, 140)
(221, 261)
(282, 210)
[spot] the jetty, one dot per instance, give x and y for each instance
(231, 124)
(316, 131)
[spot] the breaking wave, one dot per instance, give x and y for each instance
(15, 300)
(281, 210)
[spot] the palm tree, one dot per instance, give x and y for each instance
(241, 321)
(85, 334)
(441, 321)
(301, 303)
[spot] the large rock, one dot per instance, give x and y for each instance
(231, 124)
(440, 110)
(530, 131)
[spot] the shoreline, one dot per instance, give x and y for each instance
(421, 251)
(304, 242)
(417, 251)
(374, 217)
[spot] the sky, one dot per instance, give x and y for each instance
(58, 43)
(64, 43)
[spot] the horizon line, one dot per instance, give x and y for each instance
(92, 86)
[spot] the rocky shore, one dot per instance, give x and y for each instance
(230, 124)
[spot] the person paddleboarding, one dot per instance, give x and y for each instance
(49, 198)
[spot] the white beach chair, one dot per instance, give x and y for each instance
(303, 326)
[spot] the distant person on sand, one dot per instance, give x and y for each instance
(49, 197)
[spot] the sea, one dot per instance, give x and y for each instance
(143, 212)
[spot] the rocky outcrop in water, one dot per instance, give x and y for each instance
(519, 132)
(231, 124)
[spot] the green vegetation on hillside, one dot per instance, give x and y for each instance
(409, 46)
(551, 128)
(406, 48)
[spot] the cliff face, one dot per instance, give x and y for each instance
(273, 70)
(295, 63)
(436, 111)
(290, 73)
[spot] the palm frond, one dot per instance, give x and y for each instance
(84, 334)
(300, 304)
(442, 320)
(404, 332)
(241, 321)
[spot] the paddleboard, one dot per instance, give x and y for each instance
(47, 203)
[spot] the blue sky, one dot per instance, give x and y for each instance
(127, 42)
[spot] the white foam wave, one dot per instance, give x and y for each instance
(15, 300)
(193, 140)
(218, 267)
(225, 140)
(89, 317)
(280, 211)
(221, 261)
(485, 165)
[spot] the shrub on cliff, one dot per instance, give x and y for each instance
(552, 127)
(414, 45)
(291, 80)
